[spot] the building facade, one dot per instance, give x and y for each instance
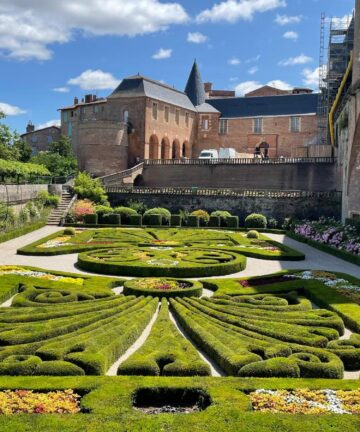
(40, 139)
(146, 119)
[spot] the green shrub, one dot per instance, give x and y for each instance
(222, 214)
(152, 219)
(232, 222)
(252, 234)
(102, 209)
(125, 213)
(111, 219)
(58, 368)
(214, 221)
(202, 215)
(88, 188)
(193, 221)
(163, 212)
(255, 220)
(91, 219)
(287, 224)
(138, 206)
(175, 220)
(194, 288)
(135, 220)
(272, 223)
(69, 231)
(275, 367)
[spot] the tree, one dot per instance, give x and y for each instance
(7, 140)
(24, 150)
(89, 188)
(62, 147)
(56, 164)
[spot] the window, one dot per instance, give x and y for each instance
(82, 110)
(205, 124)
(166, 114)
(258, 125)
(126, 116)
(223, 127)
(187, 116)
(65, 117)
(154, 110)
(72, 114)
(70, 130)
(96, 109)
(177, 116)
(295, 124)
(49, 139)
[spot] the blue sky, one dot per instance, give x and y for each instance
(53, 51)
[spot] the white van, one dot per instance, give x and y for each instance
(209, 154)
(227, 153)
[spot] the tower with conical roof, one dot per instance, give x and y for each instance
(195, 87)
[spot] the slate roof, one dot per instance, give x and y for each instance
(139, 85)
(263, 106)
(206, 108)
(195, 87)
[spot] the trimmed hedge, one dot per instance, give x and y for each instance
(175, 221)
(165, 352)
(152, 220)
(18, 232)
(91, 219)
(195, 290)
(111, 219)
(135, 220)
(232, 222)
(193, 221)
(255, 220)
(214, 221)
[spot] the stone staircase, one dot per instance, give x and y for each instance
(58, 212)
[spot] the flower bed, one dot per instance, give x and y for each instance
(305, 401)
(28, 402)
(162, 287)
(21, 271)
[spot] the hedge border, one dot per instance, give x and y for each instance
(194, 291)
(21, 231)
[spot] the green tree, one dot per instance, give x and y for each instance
(89, 188)
(62, 147)
(24, 150)
(8, 139)
(56, 164)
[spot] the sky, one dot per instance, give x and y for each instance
(53, 51)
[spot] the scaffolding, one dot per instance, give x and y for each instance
(333, 61)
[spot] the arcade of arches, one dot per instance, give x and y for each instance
(166, 149)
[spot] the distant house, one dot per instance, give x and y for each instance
(40, 139)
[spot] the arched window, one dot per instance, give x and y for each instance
(126, 116)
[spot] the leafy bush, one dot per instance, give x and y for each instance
(163, 212)
(69, 231)
(272, 223)
(222, 214)
(125, 213)
(88, 188)
(256, 220)
(252, 234)
(102, 209)
(47, 199)
(18, 169)
(82, 208)
(202, 215)
(138, 206)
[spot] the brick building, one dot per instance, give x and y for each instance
(146, 119)
(40, 139)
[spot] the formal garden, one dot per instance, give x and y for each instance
(161, 332)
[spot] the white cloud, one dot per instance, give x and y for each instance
(285, 19)
(234, 61)
(196, 38)
(27, 29)
(233, 79)
(341, 22)
(162, 54)
(253, 59)
(311, 77)
(235, 10)
(291, 35)
(95, 80)
(48, 124)
(294, 61)
(249, 86)
(253, 70)
(61, 89)
(10, 110)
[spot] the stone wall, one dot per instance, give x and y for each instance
(280, 208)
(302, 176)
(18, 194)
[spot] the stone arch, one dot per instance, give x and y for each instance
(139, 180)
(262, 149)
(176, 149)
(165, 148)
(154, 147)
(186, 150)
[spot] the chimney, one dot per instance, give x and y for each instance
(76, 100)
(356, 52)
(30, 127)
(88, 98)
(94, 98)
(208, 87)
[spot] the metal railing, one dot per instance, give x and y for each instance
(220, 192)
(241, 161)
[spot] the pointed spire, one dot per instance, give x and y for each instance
(195, 87)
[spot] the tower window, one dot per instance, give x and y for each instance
(155, 110)
(258, 125)
(166, 114)
(223, 127)
(177, 116)
(295, 124)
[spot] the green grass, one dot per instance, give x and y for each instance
(108, 401)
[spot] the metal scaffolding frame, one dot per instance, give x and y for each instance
(333, 61)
